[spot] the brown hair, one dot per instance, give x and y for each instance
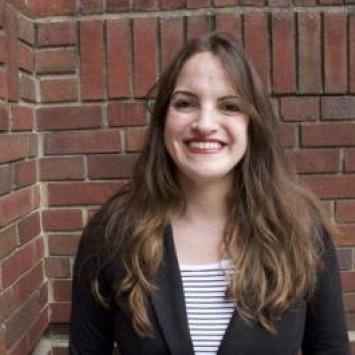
(278, 223)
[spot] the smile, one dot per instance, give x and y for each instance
(204, 146)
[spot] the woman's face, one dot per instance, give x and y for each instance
(205, 133)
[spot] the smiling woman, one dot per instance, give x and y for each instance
(212, 247)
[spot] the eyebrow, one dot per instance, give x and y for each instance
(188, 93)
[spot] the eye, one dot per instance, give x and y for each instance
(229, 107)
(183, 104)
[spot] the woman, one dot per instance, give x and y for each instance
(211, 247)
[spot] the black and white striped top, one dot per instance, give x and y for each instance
(208, 309)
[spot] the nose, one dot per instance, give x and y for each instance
(206, 121)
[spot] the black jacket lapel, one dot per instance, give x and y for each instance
(169, 303)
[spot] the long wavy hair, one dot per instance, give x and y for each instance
(278, 223)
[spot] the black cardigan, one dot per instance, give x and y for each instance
(316, 327)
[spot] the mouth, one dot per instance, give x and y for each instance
(204, 146)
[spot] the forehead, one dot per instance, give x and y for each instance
(204, 71)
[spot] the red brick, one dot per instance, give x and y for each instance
(331, 2)
(328, 134)
(349, 303)
(281, 3)
(6, 179)
(16, 205)
(299, 108)
(3, 83)
(38, 328)
(194, 4)
(257, 41)
(126, 114)
(58, 168)
(105, 166)
(231, 23)
(22, 118)
(26, 30)
(135, 138)
(344, 257)
(2, 13)
(60, 312)
(119, 58)
(316, 160)
(62, 220)
(346, 238)
(62, 290)
(348, 280)
(198, 25)
(145, 5)
(145, 55)
(59, 60)
(57, 267)
(29, 228)
(82, 142)
(63, 244)
(92, 59)
(91, 6)
(12, 69)
(345, 211)
(80, 193)
(309, 52)
(284, 52)
(56, 34)
(14, 147)
(68, 117)
(59, 90)
(21, 347)
(18, 263)
(252, 2)
(25, 173)
(352, 52)
(335, 61)
(286, 134)
(172, 31)
(338, 107)
(27, 87)
(4, 119)
(118, 5)
(350, 160)
(2, 340)
(3, 49)
(53, 8)
(8, 241)
(172, 4)
(25, 59)
(332, 186)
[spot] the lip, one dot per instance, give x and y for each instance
(204, 145)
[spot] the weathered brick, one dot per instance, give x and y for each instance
(62, 290)
(348, 280)
(118, 5)
(80, 193)
(352, 52)
(335, 61)
(55, 8)
(62, 220)
(63, 244)
(286, 134)
(8, 241)
(283, 52)
(60, 312)
(3, 49)
(198, 25)
(27, 87)
(338, 107)
(3, 83)
(194, 4)
(12, 69)
(349, 160)
(6, 178)
(279, 3)
(58, 60)
(25, 173)
(345, 211)
(25, 59)
(111, 165)
(331, 2)
(58, 168)
(252, 2)
(309, 52)
(119, 58)
(257, 41)
(135, 138)
(4, 119)
(26, 30)
(346, 236)
(171, 30)
(92, 59)
(91, 6)
(332, 186)
(316, 160)
(172, 4)
(145, 5)
(38, 327)
(231, 23)
(68, 117)
(145, 54)
(82, 142)
(59, 90)
(22, 118)
(56, 34)
(29, 227)
(299, 108)
(328, 134)
(57, 267)
(344, 257)
(14, 147)
(126, 114)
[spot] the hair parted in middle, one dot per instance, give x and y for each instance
(277, 223)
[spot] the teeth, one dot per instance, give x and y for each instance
(205, 145)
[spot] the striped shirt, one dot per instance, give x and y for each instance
(208, 309)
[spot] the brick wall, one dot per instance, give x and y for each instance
(73, 76)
